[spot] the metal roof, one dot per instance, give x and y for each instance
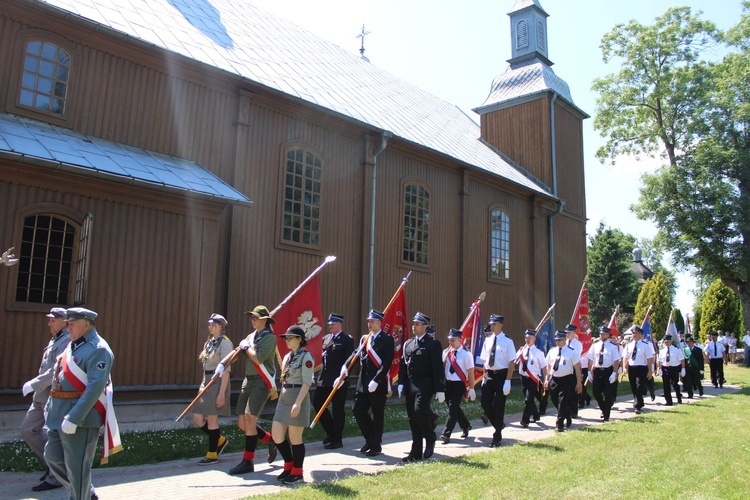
(55, 147)
(237, 37)
(524, 4)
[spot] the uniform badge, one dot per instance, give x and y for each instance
(309, 364)
(101, 365)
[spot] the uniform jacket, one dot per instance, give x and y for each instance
(297, 367)
(41, 384)
(694, 359)
(384, 346)
(422, 365)
(93, 356)
(336, 350)
(264, 343)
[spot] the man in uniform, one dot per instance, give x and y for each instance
(563, 379)
(672, 367)
(638, 357)
(32, 427)
(716, 354)
(459, 382)
(81, 375)
(421, 377)
(533, 370)
(746, 341)
(375, 358)
(498, 353)
(575, 344)
(604, 362)
(694, 365)
(337, 347)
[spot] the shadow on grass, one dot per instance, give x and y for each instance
(335, 489)
(463, 462)
(543, 446)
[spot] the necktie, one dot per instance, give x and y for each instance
(452, 360)
(557, 361)
(492, 353)
(526, 361)
(715, 355)
(635, 350)
(601, 356)
(667, 354)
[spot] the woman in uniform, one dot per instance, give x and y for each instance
(215, 401)
(293, 409)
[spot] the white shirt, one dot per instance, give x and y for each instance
(568, 359)
(575, 344)
(463, 360)
(535, 361)
(675, 356)
(643, 353)
(720, 349)
(746, 340)
(611, 354)
(505, 352)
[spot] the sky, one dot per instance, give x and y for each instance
(455, 49)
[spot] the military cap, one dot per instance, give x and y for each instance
(261, 312)
(375, 314)
(637, 329)
(714, 334)
(605, 329)
(57, 312)
(560, 335)
(496, 318)
(335, 318)
(421, 318)
(81, 313)
(668, 336)
(571, 328)
(455, 334)
(530, 333)
(431, 329)
(218, 319)
(689, 338)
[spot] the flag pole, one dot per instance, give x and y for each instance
(645, 318)
(474, 305)
(232, 356)
(339, 381)
(578, 302)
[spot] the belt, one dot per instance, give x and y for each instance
(497, 371)
(65, 394)
(209, 372)
(292, 386)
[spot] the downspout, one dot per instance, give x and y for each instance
(560, 203)
(383, 143)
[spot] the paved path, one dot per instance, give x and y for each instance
(183, 479)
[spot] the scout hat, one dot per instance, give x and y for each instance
(295, 331)
(57, 312)
(261, 312)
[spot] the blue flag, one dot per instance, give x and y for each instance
(544, 337)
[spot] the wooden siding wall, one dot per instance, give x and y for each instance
(570, 175)
(570, 264)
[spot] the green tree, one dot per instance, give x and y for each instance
(611, 279)
(655, 293)
(679, 320)
(721, 310)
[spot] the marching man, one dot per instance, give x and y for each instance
(563, 379)
(533, 370)
(604, 363)
(459, 382)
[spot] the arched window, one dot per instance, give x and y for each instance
(522, 34)
(301, 213)
(416, 242)
(44, 80)
(53, 259)
(540, 36)
(499, 244)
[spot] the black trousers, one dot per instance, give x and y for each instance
(564, 397)
(493, 400)
(692, 381)
(584, 397)
(334, 417)
(637, 376)
(670, 376)
(717, 371)
(370, 427)
(454, 395)
(603, 390)
(419, 394)
(530, 395)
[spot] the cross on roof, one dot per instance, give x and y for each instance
(362, 36)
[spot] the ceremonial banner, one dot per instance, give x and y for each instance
(545, 337)
(471, 330)
(581, 319)
(688, 330)
(395, 323)
(613, 323)
(672, 329)
(646, 325)
(305, 310)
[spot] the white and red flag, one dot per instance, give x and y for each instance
(305, 310)
(613, 323)
(395, 323)
(581, 319)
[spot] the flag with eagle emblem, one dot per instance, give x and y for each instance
(305, 310)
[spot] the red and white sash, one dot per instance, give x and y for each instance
(79, 380)
(263, 372)
(454, 363)
(527, 372)
(372, 354)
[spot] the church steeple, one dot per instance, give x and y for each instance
(528, 31)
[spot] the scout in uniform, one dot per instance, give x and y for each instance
(375, 354)
(694, 365)
(32, 427)
(563, 379)
(716, 354)
(638, 357)
(78, 406)
(293, 409)
(215, 401)
(337, 347)
(421, 378)
(604, 362)
(533, 370)
(260, 373)
(672, 367)
(459, 383)
(498, 353)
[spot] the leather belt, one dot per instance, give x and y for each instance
(65, 394)
(209, 372)
(292, 386)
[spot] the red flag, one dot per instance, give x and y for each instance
(581, 319)
(395, 323)
(613, 323)
(305, 310)
(472, 330)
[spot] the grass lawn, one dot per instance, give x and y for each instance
(692, 451)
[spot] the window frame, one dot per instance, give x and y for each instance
(406, 182)
(280, 241)
(504, 211)
(13, 104)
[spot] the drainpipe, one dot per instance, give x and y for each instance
(560, 203)
(383, 143)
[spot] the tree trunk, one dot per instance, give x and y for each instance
(743, 291)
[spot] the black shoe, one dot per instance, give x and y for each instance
(208, 461)
(445, 439)
(465, 432)
(524, 424)
(606, 419)
(559, 429)
(410, 459)
(284, 474)
(495, 444)
(94, 496)
(292, 478)
(272, 450)
(429, 450)
(222, 446)
(44, 486)
(365, 448)
(667, 404)
(581, 405)
(334, 445)
(485, 420)
(327, 440)
(242, 468)
(374, 452)
(637, 411)
(568, 423)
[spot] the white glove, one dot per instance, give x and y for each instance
(619, 370)
(472, 394)
(590, 376)
(68, 427)
(440, 396)
(372, 386)
(27, 389)
(612, 378)
(218, 371)
(244, 345)
(506, 387)
(344, 371)
(682, 372)
(400, 389)
(337, 382)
